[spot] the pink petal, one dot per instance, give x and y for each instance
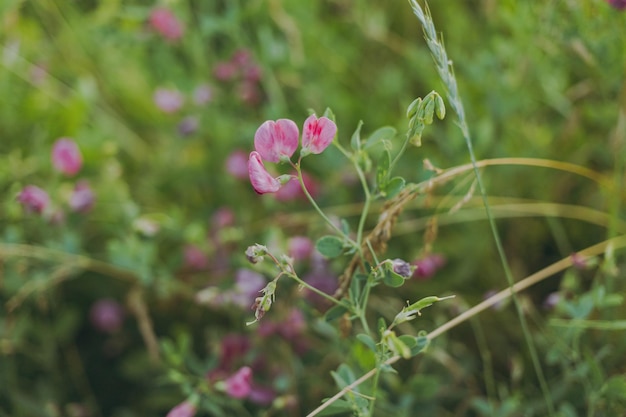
(66, 156)
(317, 134)
(239, 384)
(275, 139)
(261, 180)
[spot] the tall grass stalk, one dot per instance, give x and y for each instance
(446, 73)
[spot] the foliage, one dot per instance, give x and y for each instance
(380, 260)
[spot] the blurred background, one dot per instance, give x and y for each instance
(123, 280)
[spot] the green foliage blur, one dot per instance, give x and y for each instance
(538, 80)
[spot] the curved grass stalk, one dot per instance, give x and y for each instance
(547, 272)
(446, 73)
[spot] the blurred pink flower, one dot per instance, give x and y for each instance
(428, 266)
(82, 198)
(168, 100)
(66, 156)
(262, 395)
(300, 247)
(293, 326)
(317, 134)
(261, 180)
(292, 190)
(223, 216)
(248, 283)
(276, 140)
(249, 92)
(107, 315)
(233, 347)
(184, 409)
(618, 4)
(165, 22)
(225, 71)
(237, 164)
(33, 199)
(194, 258)
(238, 385)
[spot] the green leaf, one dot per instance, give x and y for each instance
(367, 341)
(382, 170)
(385, 132)
(392, 279)
(355, 141)
(329, 246)
(335, 312)
(393, 187)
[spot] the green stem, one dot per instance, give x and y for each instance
(315, 290)
(318, 209)
(444, 68)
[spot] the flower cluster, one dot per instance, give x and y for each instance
(66, 159)
(164, 22)
(277, 141)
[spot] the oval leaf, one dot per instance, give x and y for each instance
(329, 246)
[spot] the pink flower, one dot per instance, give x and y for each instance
(317, 134)
(184, 409)
(66, 157)
(292, 190)
(428, 266)
(236, 164)
(618, 4)
(82, 198)
(107, 315)
(300, 247)
(194, 258)
(276, 141)
(168, 100)
(238, 385)
(261, 180)
(33, 199)
(163, 21)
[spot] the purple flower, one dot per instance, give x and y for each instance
(33, 199)
(168, 100)
(188, 125)
(82, 198)
(66, 156)
(107, 315)
(248, 283)
(202, 94)
(401, 268)
(184, 409)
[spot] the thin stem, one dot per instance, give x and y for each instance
(446, 73)
(315, 290)
(551, 270)
(318, 209)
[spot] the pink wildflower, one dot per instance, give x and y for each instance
(194, 258)
(317, 134)
(261, 180)
(276, 141)
(236, 164)
(618, 4)
(184, 409)
(66, 157)
(165, 22)
(238, 385)
(33, 199)
(168, 100)
(428, 266)
(82, 198)
(300, 247)
(107, 315)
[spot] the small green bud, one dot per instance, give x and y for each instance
(412, 109)
(440, 108)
